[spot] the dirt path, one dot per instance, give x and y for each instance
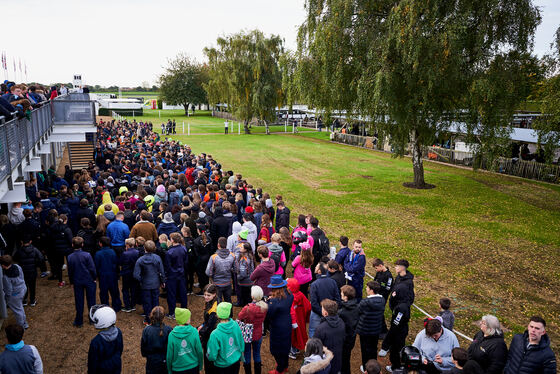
(64, 348)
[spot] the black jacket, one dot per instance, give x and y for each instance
(385, 280)
(220, 228)
(282, 218)
(371, 311)
(331, 333)
(534, 359)
(29, 257)
(86, 213)
(403, 290)
(30, 228)
(321, 289)
(349, 314)
(339, 278)
(60, 238)
(489, 351)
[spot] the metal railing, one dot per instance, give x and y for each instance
(73, 109)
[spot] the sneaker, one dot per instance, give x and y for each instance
(45, 273)
(34, 302)
(61, 284)
(25, 303)
(126, 310)
(132, 309)
(362, 369)
(382, 353)
(388, 368)
(293, 356)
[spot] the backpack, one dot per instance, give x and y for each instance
(323, 245)
(277, 257)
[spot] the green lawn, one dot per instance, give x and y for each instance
(201, 123)
(491, 243)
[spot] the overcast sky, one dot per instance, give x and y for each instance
(127, 42)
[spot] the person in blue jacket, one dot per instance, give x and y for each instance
(19, 358)
(343, 252)
(107, 267)
(105, 350)
(167, 225)
(151, 275)
(130, 287)
(355, 268)
(176, 261)
(82, 274)
(118, 232)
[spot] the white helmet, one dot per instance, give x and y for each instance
(102, 316)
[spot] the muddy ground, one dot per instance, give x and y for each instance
(64, 348)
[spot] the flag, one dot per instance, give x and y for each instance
(14, 60)
(20, 65)
(4, 64)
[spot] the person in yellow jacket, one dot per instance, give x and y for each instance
(106, 199)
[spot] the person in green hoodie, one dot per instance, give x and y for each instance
(225, 346)
(184, 351)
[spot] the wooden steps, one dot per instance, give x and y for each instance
(81, 153)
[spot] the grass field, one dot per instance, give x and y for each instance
(490, 243)
(201, 123)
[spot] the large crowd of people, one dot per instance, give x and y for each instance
(149, 218)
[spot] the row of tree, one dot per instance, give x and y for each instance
(413, 68)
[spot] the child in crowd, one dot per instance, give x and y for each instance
(447, 315)
(331, 332)
(244, 267)
(302, 268)
(255, 314)
(301, 308)
(105, 349)
(210, 321)
(29, 258)
(129, 284)
(14, 288)
(184, 351)
(317, 358)
(82, 274)
(149, 272)
(225, 346)
(153, 345)
(19, 358)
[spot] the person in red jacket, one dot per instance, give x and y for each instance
(301, 308)
(254, 313)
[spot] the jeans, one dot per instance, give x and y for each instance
(15, 303)
(150, 299)
(314, 320)
(256, 347)
(368, 345)
(79, 300)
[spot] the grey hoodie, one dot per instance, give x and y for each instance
(220, 267)
(16, 215)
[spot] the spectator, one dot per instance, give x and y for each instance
(404, 281)
(301, 308)
(144, 228)
(29, 258)
(118, 231)
(447, 315)
(350, 315)
(82, 275)
(107, 201)
(435, 342)
(251, 228)
(370, 322)
(372, 367)
(317, 359)
(262, 274)
(354, 265)
(225, 346)
(19, 358)
(488, 348)
(220, 268)
(244, 267)
(384, 277)
(130, 289)
(530, 352)
(277, 254)
(210, 321)
(281, 323)
(184, 351)
(336, 274)
(322, 288)
(460, 359)
(105, 350)
(59, 237)
(167, 225)
(255, 314)
(331, 332)
(282, 216)
(153, 345)
(302, 268)
(107, 267)
(343, 252)
(149, 272)
(203, 251)
(14, 288)
(176, 263)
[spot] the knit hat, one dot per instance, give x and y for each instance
(243, 233)
(182, 316)
(223, 310)
(109, 215)
(160, 188)
(236, 227)
(249, 209)
(167, 218)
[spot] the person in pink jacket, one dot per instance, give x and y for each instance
(302, 268)
(303, 227)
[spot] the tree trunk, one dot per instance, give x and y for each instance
(246, 126)
(186, 106)
(417, 164)
(267, 127)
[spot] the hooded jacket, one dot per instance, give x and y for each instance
(525, 359)
(430, 348)
(349, 314)
(16, 215)
(278, 256)
(149, 271)
(225, 346)
(220, 267)
(29, 258)
(252, 236)
(316, 364)
(262, 274)
(282, 218)
(20, 359)
(105, 351)
(106, 199)
(167, 228)
(184, 350)
(60, 237)
(301, 309)
(154, 347)
(255, 315)
(13, 282)
(323, 288)
(403, 290)
(244, 267)
(489, 351)
(371, 311)
(331, 332)
(176, 261)
(232, 240)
